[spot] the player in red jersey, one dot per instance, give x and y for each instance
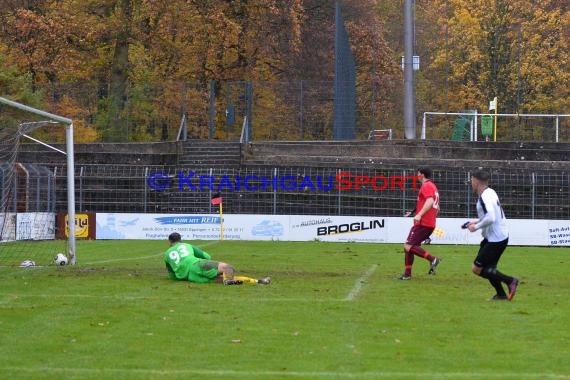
(427, 207)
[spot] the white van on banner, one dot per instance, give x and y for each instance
(363, 229)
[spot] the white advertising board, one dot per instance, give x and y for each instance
(35, 226)
(309, 227)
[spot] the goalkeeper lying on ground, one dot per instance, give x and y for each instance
(187, 262)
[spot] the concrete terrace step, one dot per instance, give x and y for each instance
(404, 163)
(416, 149)
(210, 154)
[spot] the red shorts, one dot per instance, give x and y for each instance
(418, 234)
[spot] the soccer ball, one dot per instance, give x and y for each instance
(60, 259)
(27, 264)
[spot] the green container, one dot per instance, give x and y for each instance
(461, 129)
(487, 125)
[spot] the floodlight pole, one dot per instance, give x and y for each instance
(70, 168)
(409, 82)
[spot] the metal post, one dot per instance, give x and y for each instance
(210, 194)
(229, 108)
(15, 191)
(26, 188)
(274, 193)
(469, 190)
(145, 191)
(339, 203)
(533, 195)
(212, 107)
(301, 111)
(476, 123)
(423, 135)
(373, 100)
(50, 207)
(404, 195)
(495, 122)
(70, 193)
(81, 188)
(38, 187)
(409, 83)
(183, 109)
(249, 109)
(557, 125)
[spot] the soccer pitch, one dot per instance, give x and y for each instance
(333, 311)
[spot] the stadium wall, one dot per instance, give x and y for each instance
(536, 232)
(532, 179)
(322, 153)
(162, 153)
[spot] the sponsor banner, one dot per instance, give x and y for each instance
(192, 226)
(376, 230)
(8, 226)
(558, 232)
(348, 228)
(311, 227)
(84, 225)
(81, 225)
(35, 226)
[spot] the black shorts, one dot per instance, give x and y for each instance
(418, 234)
(490, 253)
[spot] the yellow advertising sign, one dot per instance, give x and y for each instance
(81, 225)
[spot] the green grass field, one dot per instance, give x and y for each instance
(334, 311)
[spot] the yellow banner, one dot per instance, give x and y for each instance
(81, 225)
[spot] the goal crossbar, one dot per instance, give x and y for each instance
(70, 166)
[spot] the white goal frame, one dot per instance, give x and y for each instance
(475, 115)
(70, 167)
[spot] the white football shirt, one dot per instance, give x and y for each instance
(492, 220)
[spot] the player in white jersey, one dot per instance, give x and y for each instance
(493, 225)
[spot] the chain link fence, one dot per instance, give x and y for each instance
(308, 191)
(170, 110)
(271, 110)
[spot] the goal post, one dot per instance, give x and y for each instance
(70, 166)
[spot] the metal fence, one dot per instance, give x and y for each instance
(27, 188)
(275, 110)
(125, 188)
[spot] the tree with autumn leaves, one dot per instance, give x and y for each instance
(125, 70)
(515, 50)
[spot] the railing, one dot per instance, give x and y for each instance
(244, 137)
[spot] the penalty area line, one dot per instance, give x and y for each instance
(360, 283)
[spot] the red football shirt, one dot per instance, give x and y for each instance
(428, 190)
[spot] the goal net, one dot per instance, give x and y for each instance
(30, 190)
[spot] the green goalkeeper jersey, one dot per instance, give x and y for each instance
(181, 257)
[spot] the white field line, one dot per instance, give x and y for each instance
(121, 259)
(140, 257)
(360, 282)
(109, 260)
(299, 374)
(126, 297)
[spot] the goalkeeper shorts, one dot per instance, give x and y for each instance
(203, 271)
